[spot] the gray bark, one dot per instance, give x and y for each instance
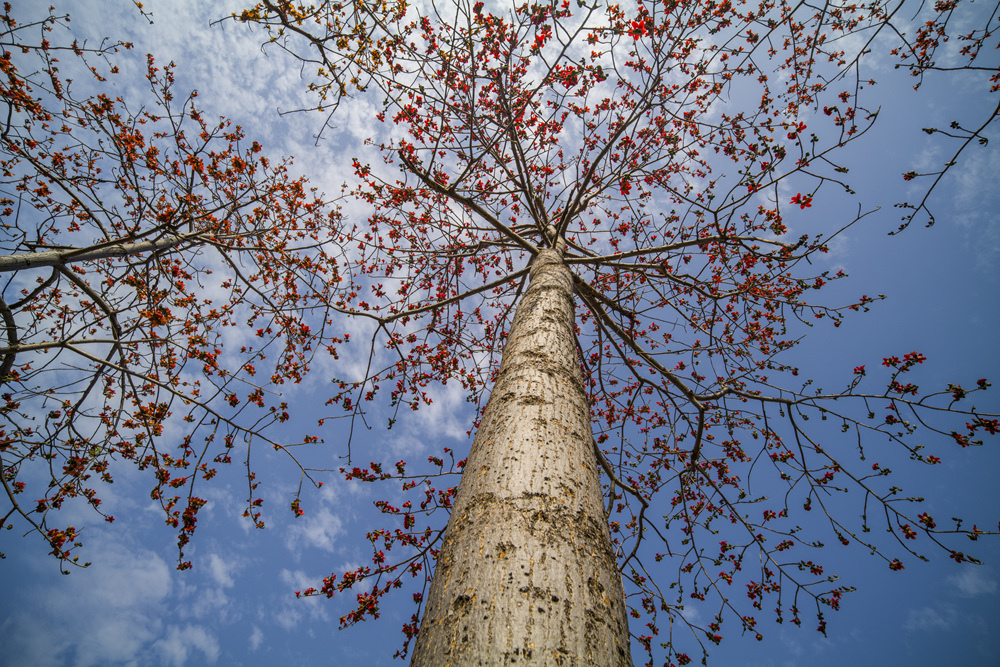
(63, 256)
(527, 574)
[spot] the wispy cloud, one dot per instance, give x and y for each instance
(256, 638)
(974, 581)
(221, 570)
(290, 612)
(975, 205)
(319, 528)
(106, 614)
(181, 643)
(928, 618)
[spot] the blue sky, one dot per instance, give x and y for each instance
(236, 607)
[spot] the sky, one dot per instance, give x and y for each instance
(237, 605)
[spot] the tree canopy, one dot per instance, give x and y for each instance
(667, 150)
(133, 238)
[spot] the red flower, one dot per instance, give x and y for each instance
(804, 201)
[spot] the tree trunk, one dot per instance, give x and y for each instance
(526, 573)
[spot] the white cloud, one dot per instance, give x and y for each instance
(221, 570)
(180, 643)
(319, 528)
(445, 422)
(928, 618)
(212, 603)
(974, 581)
(974, 205)
(295, 579)
(290, 612)
(256, 638)
(105, 614)
(447, 415)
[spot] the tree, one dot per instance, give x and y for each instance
(614, 144)
(133, 239)
(598, 147)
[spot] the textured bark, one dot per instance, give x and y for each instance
(526, 574)
(120, 248)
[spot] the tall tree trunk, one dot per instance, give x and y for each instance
(526, 573)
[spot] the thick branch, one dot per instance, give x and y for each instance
(121, 248)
